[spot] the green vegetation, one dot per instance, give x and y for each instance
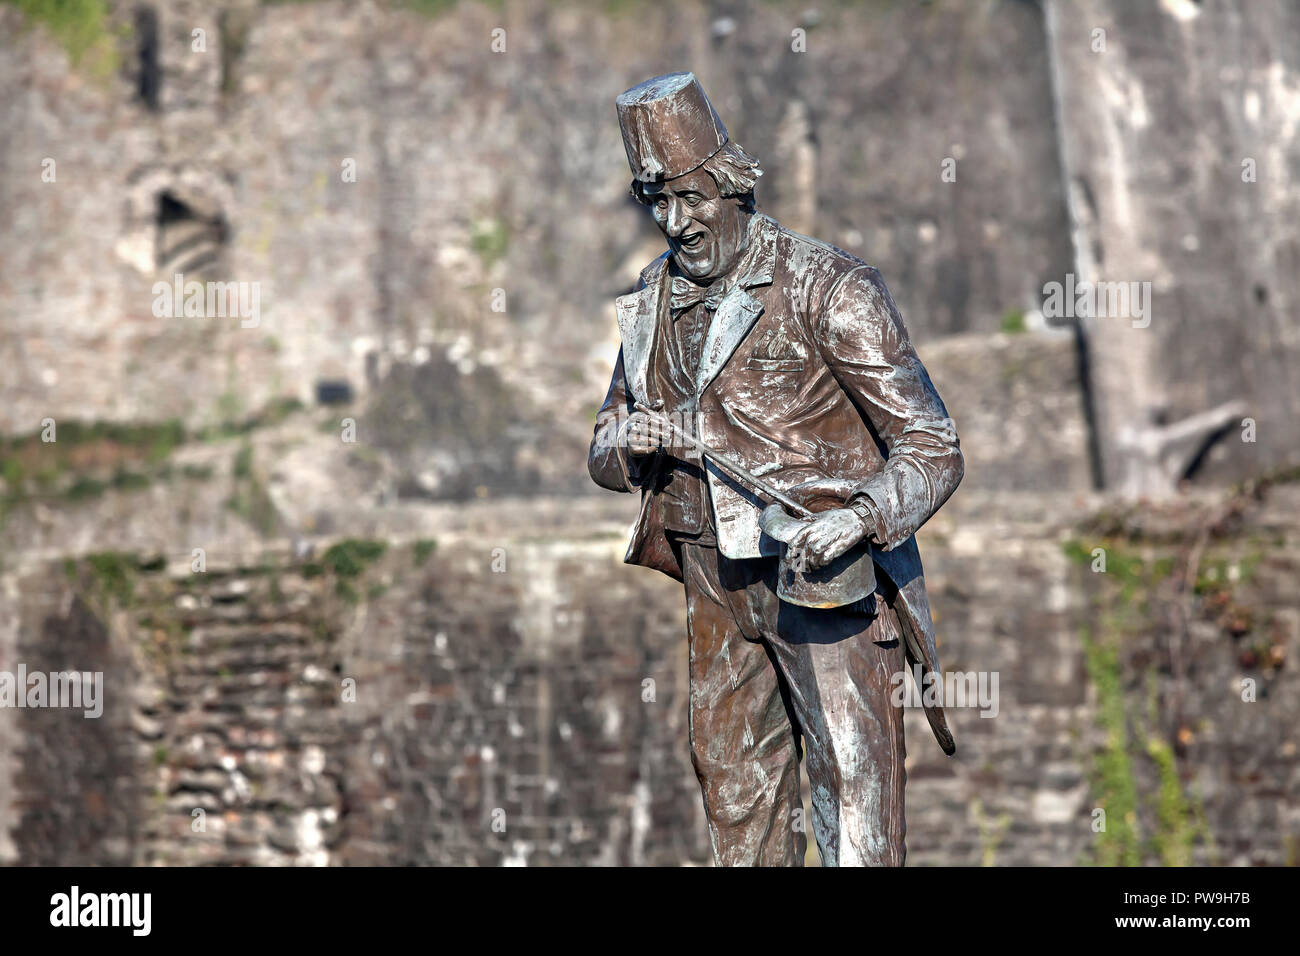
(991, 833)
(422, 551)
(233, 427)
(1136, 576)
(88, 459)
(1013, 322)
(242, 467)
(125, 480)
(80, 27)
(152, 441)
(249, 497)
(1113, 783)
(1141, 827)
(1175, 830)
(85, 488)
(1220, 572)
(230, 405)
(349, 558)
(115, 574)
(430, 8)
(489, 239)
(111, 575)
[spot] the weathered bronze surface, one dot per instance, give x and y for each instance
(787, 356)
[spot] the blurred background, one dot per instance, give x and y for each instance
(353, 595)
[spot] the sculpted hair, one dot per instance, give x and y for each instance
(732, 169)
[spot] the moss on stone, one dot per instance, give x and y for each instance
(1113, 783)
(88, 459)
(1175, 832)
(1124, 604)
(114, 574)
(350, 557)
(490, 238)
(1013, 322)
(80, 27)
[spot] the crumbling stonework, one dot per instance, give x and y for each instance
(523, 701)
(445, 137)
(1179, 148)
(387, 303)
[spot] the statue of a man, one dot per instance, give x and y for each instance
(788, 356)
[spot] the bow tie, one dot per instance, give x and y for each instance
(686, 294)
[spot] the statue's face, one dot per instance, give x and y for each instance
(706, 233)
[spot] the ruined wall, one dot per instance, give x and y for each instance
(1018, 403)
(1179, 146)
(375, 171)
(523, 689)
(471, 175)
(363, 705)
(507, 674)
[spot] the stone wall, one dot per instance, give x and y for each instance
(1018, 403)
(502, 679)
(384, 407)
(452, 144)
(1123, 164)
(1179, 147)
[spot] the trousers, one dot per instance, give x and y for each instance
(768, 679)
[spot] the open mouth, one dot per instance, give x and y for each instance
(691, 242)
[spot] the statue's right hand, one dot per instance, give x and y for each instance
(640, 435)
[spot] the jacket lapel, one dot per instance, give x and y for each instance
(738, 310)
(736, 315)
(638, 313)
(636, 326)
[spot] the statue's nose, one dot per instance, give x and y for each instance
(677, 220)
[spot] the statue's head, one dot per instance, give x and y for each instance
(699, 185)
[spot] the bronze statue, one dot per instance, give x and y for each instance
(787, 443)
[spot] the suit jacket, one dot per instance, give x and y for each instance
(807, 372)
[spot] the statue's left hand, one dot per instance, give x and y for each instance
(825, 538)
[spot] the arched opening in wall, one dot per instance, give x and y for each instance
(148, 76)
(188, 239)
(175, 219)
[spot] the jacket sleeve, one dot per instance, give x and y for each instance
(608, 468)
(862, 338)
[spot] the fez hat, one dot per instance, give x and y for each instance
(669, 126)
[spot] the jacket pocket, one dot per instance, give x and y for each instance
(775, 365)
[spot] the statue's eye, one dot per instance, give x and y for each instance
(692, 201)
